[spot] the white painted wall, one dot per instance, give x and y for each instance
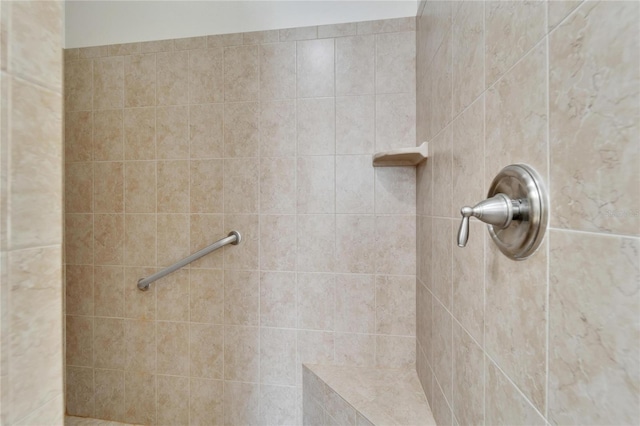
(94, 22)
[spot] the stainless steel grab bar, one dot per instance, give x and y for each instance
(234, 238)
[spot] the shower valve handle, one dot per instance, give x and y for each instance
(497, 211)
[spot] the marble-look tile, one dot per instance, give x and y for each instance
(504, 404)
(206, 135)
(316, 184)
(241, 129)
(241, 355)
(395, 305)
(277, 243)
(316, 122)
(206, 293)
(316, 243)
(593, 337)
(277, 186)
(516, 111)
(78, 127)
(558, 10)
(108, 135)
(172, 392)
(277, 356)
(206, 188)
(242, 73)
(354, 192)
(316, 301)
(172, 132)
(468, 54)
(468, 379)
(355, 65)
(173, 348)
(396, 62)
(140, 80)
(277, 128)
(355, 124)
(593, 128)
(172, 73)
(278, 71)
(278, 299)
(241, 297)
(206, 78)
(355, 235)
(108, 83)
(442, 412)
(206, 350)
(512, 28)
(315, 68)
(395, 256)
(206, 402)
(515, 318)
(395, 121)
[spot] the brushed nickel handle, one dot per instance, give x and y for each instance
(497, 211)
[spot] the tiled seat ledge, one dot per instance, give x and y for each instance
(338, 395)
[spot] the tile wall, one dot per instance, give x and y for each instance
(556, 338)
(31, 171)
(171, 144)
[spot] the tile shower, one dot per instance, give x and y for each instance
(169, 146)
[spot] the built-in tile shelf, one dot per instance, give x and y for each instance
(402, 156)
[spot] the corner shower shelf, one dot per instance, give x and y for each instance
(402, 156)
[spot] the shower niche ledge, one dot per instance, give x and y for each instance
(402, 156)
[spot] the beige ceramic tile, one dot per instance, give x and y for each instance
(172, 238)
(206, 295)
(314, 347)
(441, 86)
(442, 348)
(79, 239)
(206, 186)
(395, 351)
(424, 309)
(241, 403)
(278, 404)
(387, 25)
(355, 125)
(512, 28)
(396, 62)
(140, 187)
(139, 133)
(206, 79)
(245, 255)
(108, 187)
(242, 73)
(156, 46)
(78, 85)
(79, 341)
(442, 412)
(172, 132)
(354, 176)
(79, 399)
(259, 37)
(441, 259)
(206, 402)
(108, 141)
(315, 68)
(278, 71)
(241, 297)
(423, 250)
(79, 188)
(190, 43)
(355, 349)
(395, 190)
(140, 80)
(205, 229)
(395, 121)
(140, 404)
(504, 404)
(355, 304)
(241, 354)
(241, 186)
(108, 239)
(316, 121)
(206, 130)
(516, 111)
(173, 348)
(109, 343)
(140, 240)
(206, 350)
(355, 235)
(355, 65)
(468, 379)
(124, 49)
(337, 30)
(277, 356)
(278, 299)
(395, 305)
(278, 128)
(303, 33)
(79, 290)
(600, 357)
(109, 394)
(138, 304)
(316, 301)
(241, 129)
(316, 243)
(468, 54)
(315, 180)
(593, 129)
(93, 52)
(172, 392)
(77, 136)
(515, 319)
(173, 186)
(277, 185)
(108, 298)
(172, 299)
(277, 243)
(558, 10)
(140, 346)
(108, 83)
(396, 255)
(172, 71)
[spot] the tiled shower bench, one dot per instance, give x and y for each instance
(339, 395)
